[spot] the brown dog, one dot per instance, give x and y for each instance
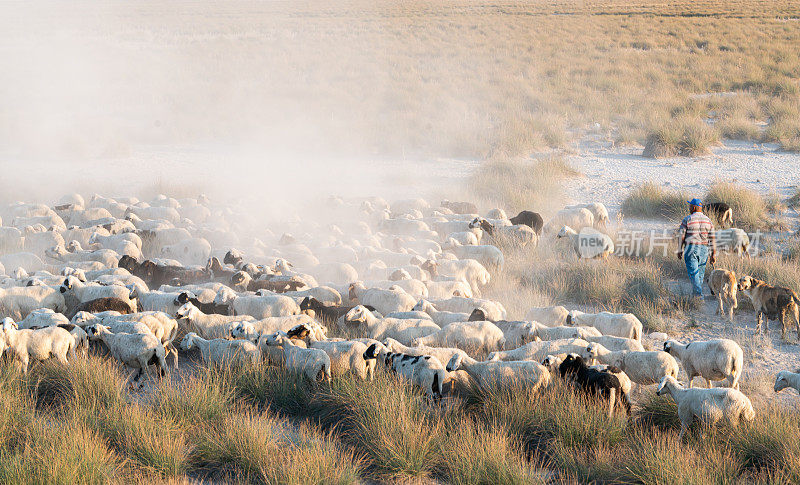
(722, 283)
(774, 302)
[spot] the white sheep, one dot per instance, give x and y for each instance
(589, 243)
(642, 367)
(564, 332)
(552, 316)
(74, 254)
(487, 255)
(324, 294)
(516, 333)
(208, 326)
(346, 357)
(222, 352)
(441, 318)
(123, 244)
(189, 251)
(135, 350)
(529, 374)
(616, 324)
(575, 218)
(441, 288)
(415, 288)
(252, 329)
(616, 343)
(536, 351)
(18, 302)
(517, 235)
(733, 240)
(258, 306)
(713, 360)
(492, 310)
(313, 363)
(472, 336)
(38, 344)
(598, 210)
(710, 406)
(42, 317)
(469, 271)
(384, 301)
(786, 379)
(76, 292)
(404, 330)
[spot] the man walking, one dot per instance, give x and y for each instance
(697, 234)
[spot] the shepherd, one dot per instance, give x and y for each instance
(697, 241)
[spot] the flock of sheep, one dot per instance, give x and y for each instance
(402, 282)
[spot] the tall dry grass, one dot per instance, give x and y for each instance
(518, 185)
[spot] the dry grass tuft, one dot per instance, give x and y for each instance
(685, 137)
(522, 185)
(651, 200)
(750, 209)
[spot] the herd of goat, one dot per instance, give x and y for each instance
(400, 283)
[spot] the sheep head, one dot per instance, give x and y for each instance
(664, 385)
(187, 342)
(186, 311)
(565, 231)
(357, 314)
(95, 331)
(781, 382)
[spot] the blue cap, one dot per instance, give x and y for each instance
(695, 201)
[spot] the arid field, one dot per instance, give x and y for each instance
(306, 146)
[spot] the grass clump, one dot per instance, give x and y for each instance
(387, 421)
(485, 453)
(651, 200)
(685, 137)
(770, 445)
(750, 209)
(155, 444)
(259, 449)
(64, 452)
(522, 185)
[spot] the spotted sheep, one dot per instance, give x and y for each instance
(423, 371)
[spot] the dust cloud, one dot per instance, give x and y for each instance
(277, 101)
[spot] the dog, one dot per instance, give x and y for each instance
(774, 302)
(724, 286)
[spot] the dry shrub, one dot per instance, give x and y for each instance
(63, 452)
(685, 137)
(651, 200)
(262, 450)
(736, 128)
(749, 208)
(521, 185)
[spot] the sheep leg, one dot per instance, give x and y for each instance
(172, 350)
(611, 401)
(758, 320)
(720, 310)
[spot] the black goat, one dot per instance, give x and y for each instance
(721, 211)
(595, 382)
(530, 219)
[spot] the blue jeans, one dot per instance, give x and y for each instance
(695, 256)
